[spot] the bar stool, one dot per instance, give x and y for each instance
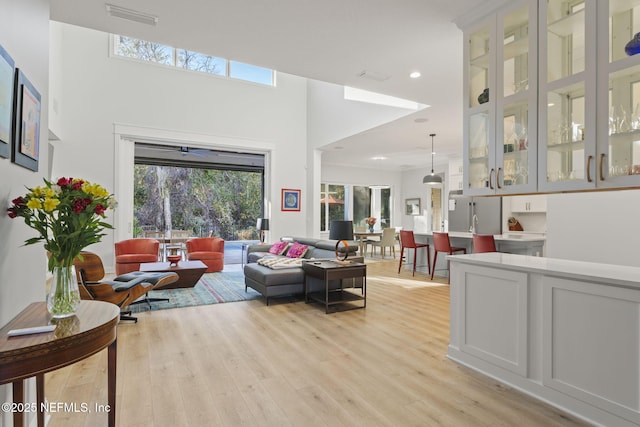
(407, 240)
(441, 243)
(483, 243)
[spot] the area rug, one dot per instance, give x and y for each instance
(212, 288)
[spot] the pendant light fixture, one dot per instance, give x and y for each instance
(432, 179)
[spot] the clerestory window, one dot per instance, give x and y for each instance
(143, 50)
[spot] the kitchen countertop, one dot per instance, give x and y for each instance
(618, 275)
(509, 237)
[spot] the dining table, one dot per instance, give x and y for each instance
(361, 237)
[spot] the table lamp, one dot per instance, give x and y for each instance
(262, 225)
(341, 231)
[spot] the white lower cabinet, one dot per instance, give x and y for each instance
(563, 331)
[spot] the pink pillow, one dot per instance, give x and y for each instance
(278, 248)
(297, 250)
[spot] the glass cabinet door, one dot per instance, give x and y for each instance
(567, 88)
(516, 108)
(619, 147)
(479, 175)
(478, 152)
(479, 60)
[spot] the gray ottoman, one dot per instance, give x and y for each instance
(273, 283)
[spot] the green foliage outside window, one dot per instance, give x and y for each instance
(223, 203)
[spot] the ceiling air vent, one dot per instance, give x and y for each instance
(373, 75)
(132, 15)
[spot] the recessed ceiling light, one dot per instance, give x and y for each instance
(415, 74)
(379, 158)
(421, 120)
(338, 147)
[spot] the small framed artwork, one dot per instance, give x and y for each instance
(26, 138)
(412, 206)
(7, 77)
(290, 200)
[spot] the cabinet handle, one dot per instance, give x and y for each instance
(589, 158)
(498, 178)
(491, 174)
(601, 171)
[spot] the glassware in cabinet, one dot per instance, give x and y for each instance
(619, 134)
(516, 161)
(567, 93)
(516, 110)
(478, 151)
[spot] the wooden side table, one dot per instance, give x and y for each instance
(332, 270)
(90, 330)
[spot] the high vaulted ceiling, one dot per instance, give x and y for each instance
(328, 40)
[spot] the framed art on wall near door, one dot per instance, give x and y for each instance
(412, 206)
(290, 200)
(26, 138)
(7, 77)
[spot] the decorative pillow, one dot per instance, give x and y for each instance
(280, 262)
(297, 250)
(278, 248)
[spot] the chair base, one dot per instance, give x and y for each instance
(126, 315)
(149, 300)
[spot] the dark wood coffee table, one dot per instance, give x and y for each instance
(189, 272)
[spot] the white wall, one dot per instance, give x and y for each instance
(332, 118)
(100, 92)
(412, 187)
(595, 226)
(24, 34)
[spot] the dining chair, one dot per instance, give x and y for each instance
(407, 241)
(388, 240)
(483, 243)
(176, 245)
(441, 243)
(160, 237)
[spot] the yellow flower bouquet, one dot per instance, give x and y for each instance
(68, 216)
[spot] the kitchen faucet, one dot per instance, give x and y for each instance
(474, 222)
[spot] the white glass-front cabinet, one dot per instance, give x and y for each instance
(500, 93)
(567, 91)
(618, 94)
(479, 111)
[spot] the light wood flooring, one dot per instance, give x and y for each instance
(290, 364)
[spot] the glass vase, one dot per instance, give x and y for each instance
(371, 228)
(63, 297)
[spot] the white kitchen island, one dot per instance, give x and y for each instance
(567, 332)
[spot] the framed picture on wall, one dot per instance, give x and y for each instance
(412, 206)
(26, 139)
(290, 200)
(7, 77)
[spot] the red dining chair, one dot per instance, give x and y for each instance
(441, 243)
(407, 241)
(483, 243)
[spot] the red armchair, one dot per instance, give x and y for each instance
(209, 250)
(132, 252)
